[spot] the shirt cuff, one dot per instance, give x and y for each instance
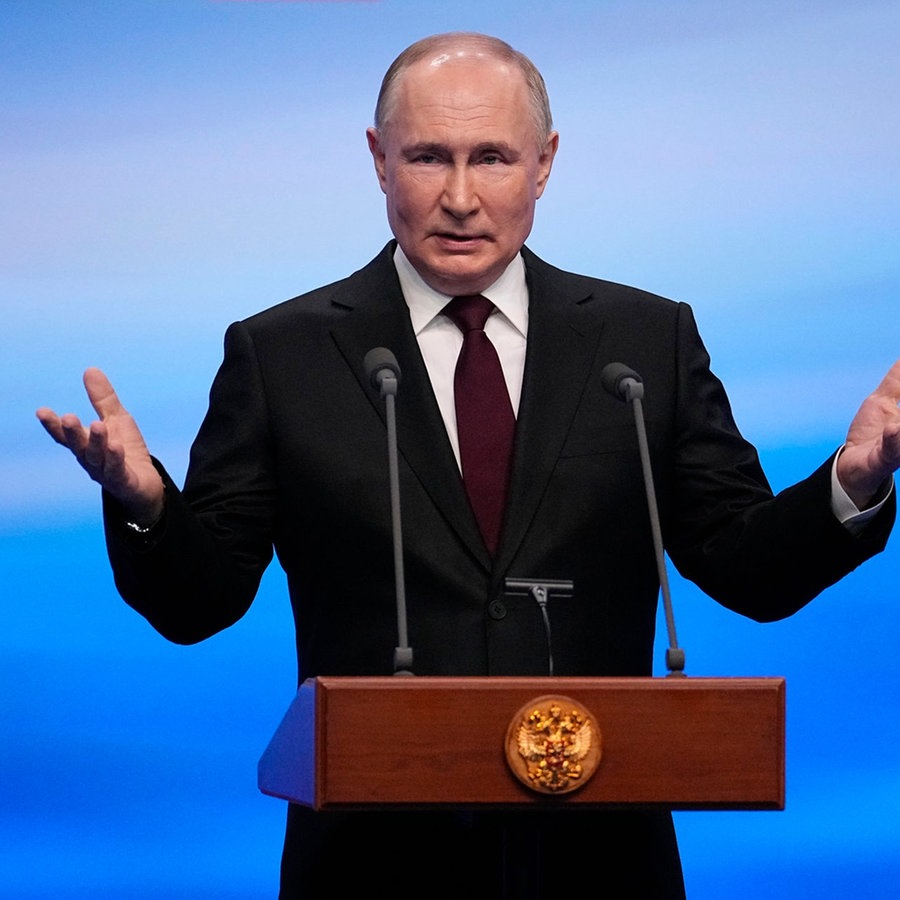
(845, 510)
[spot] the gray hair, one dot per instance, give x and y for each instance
(489, 46)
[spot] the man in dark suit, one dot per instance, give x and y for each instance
(291, 456)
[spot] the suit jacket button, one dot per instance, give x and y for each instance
(497, 609)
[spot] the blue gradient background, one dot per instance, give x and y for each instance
(168, 167)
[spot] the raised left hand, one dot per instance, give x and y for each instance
(871, 452)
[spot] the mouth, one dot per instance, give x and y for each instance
(460, 241)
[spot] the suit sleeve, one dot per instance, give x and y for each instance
(761, 555)
(201, 571)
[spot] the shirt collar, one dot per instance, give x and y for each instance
(509, 293)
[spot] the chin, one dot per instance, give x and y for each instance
(458, 281)
(455, 287)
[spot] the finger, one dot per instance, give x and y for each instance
(104, 461)
(66, 430)
(96, 449)
(74, 434)
(101, 394)
(50, 421)
(890, 384)
(891, 444)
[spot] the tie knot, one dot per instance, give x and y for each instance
(470, 312)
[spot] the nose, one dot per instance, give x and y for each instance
(460, 196)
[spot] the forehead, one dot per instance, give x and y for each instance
(462, 92)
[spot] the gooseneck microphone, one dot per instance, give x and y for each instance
(625, 384)
(541, 591)
(383, 372)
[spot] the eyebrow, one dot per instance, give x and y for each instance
(424, 147)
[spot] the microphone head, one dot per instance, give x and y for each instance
(376, 361)
(615, 378)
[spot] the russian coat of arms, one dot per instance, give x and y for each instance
(553, 745)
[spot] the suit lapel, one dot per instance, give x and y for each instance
(563, 334)
(377, 316)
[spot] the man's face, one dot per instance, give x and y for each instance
(461, 166)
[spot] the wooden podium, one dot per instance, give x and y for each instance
(419, 742)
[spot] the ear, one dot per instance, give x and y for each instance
(374, 139)
(545, 161)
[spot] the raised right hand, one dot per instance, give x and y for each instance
(111, 450)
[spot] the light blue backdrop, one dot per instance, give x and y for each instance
(168, 167)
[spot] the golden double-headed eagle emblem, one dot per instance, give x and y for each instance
(553, 745)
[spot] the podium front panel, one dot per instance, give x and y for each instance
(680, 743)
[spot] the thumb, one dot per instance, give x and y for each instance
(100, 392)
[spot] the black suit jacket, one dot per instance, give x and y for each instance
(292, 455)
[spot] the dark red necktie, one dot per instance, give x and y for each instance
(484, 416)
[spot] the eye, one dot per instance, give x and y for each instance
(426, 156)
(491, 159)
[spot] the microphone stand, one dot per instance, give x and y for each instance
(626, 384)
(384, 373)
